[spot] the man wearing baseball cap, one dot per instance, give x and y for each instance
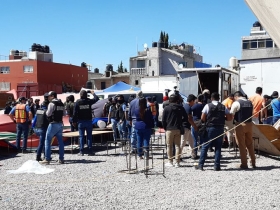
(55, 114)
(21, 115)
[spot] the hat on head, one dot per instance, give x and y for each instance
(206, 91)
(90, 96)
(139, 94)
(275, 94)
(51, 93)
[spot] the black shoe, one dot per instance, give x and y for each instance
(91, 154)
(24, 151)
(217, 168)
(211, 149)
(199, 167)
(80, 154)
(61, 161)
(38, 158)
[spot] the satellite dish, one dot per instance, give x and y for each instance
(145, 45)
(181, 66)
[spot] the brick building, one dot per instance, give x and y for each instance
(37, 74)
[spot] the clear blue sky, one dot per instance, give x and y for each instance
(99, 32)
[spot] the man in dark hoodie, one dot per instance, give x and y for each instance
(172, 122)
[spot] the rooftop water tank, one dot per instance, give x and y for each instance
(33, 47)
(109, 67)
(154, 44)
(83, 64)
(161, 44)
(96, 70)
(233, 62)
(12, 52)
(16, 52)
(257, 24)
(89, 85)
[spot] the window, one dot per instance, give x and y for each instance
(103, 85)
(245, 45)
(261, 43)
(5, 70)
(150, 62)
(136, 82)
(254, 44)
(5, 86)
(28, 69)
(140, 63)
(269, 43)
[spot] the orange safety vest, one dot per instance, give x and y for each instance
(153, 109)
(20, 113)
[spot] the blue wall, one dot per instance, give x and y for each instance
(201, 65)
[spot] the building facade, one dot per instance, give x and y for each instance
(102, 81)
(155, 61)
(37, 74)
(260, 62)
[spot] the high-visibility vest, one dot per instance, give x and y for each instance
(153, 108)
(20, 113)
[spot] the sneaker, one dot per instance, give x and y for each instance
(61, 161)
(217, 168)
(253, 165)
(199, 167)
(80, 154)
(45, 162)
(240, 166)
(177, 165)
(91, 154)
(169, 164)
(24, 151)
(39, 159)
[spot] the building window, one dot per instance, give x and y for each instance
(136, 82)
(5, 86)
(245, 45)
(254, 44)
(5, 70)
(140, 63)
(28, 69)
(150, 62)
(261, 43)
(103, 85)
(269, 43)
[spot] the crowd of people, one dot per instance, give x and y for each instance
(200, 121)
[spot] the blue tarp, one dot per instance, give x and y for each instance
(120, 86)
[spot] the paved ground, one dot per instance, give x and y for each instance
(96, 183)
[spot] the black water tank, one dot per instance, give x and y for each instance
(33, 47)
(257, 24)
(154, 44)
(88, 85)
(47, 49)
(217, 66)
(161, 44)
(83, 64)
(109, 67)
(16, 52)
(96, 70)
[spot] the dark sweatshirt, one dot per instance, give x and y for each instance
(172, 116)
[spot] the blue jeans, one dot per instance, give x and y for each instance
(133, 138)
(128, 126)
(143, 139)
(22, 128)
(85, 125)
(196, 139)
(73, 128)
(54, 130)
(41, 132)
(122, 129)
(275, 119)
(268, 121)
(114, 127)
(212, 132)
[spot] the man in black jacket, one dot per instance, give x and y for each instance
(172, 124)
(82, 115)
